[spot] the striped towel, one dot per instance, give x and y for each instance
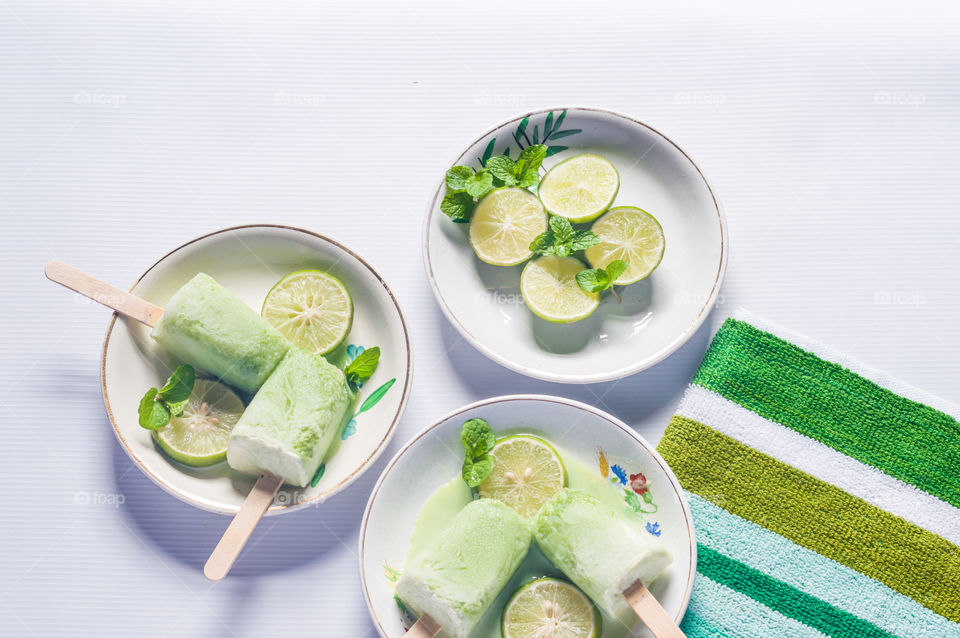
(825, 496)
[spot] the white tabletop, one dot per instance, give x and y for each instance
(830, 133)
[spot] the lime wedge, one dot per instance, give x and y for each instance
(630, 234)
(311, 308)
(580, 188)
(549, 287)
(526, 472)
(199, 437)
(504, 224)
(550, 608)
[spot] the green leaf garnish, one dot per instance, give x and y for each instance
(457, 177)
(502, 167)
(561, 239)
(527, 168)
(479, 184)
(458, 206)
(599, 279)
(158, 405)
(363, 367)
(477, 440)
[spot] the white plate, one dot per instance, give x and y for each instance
(248, 260)
(433, 457)
(657, 315)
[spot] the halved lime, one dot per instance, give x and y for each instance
(504, 224)
(549, 287)
(527, 471)
(311, 308)
(630, 234)
(550, 608)
(580, 188)
(199, 437)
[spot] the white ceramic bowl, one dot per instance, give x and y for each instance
(248, 260)
(657, 315)
(433, 457)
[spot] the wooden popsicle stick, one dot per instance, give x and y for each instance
(425, 627)
(103, 293)
(242, 525)
(651, 613)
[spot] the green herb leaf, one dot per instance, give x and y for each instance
(480, 184)
(529, 161)
(561, 239)
(178, 387)
(363, 367)
(458, 207)
(152, 413)
(475, 472)
(599, 279)
(501, 167)
(477, 438)
(457, 177)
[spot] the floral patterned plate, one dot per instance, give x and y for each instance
(249, 260)
(656, 316)
(632, 469)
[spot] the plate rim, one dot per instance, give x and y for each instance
(613, 420)
(274, 508)
(573, 378)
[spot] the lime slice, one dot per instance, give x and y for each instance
(199, 437)
(549, 287)
(504, 224)
(580, 188)
(550, 608)
(630, 234)
(311, 308)
(526, 472)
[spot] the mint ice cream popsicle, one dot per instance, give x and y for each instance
(597, 548)
(459, 574)
(288, 427)
(207, 326)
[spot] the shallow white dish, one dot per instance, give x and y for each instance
(657, 315)
(248, 260)
(433, 457)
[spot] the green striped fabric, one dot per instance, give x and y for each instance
(825, 496)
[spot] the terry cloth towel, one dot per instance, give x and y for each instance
(825, 495)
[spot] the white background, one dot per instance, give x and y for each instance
(830, 133)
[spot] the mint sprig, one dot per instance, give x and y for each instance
(466, 187)
(158, 405)
(363, 367)
(561, 239)
(600, 279)
(477, 440)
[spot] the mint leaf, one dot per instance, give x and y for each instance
(457, 177)
(178, 387)
(599, 279)
(458, 207)
(527, 168)
(501, 167)
(561, 239)
(593, 280)
(363, 367)
(475, 472)
(152, 413)
(480, 184)
(477, 438)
